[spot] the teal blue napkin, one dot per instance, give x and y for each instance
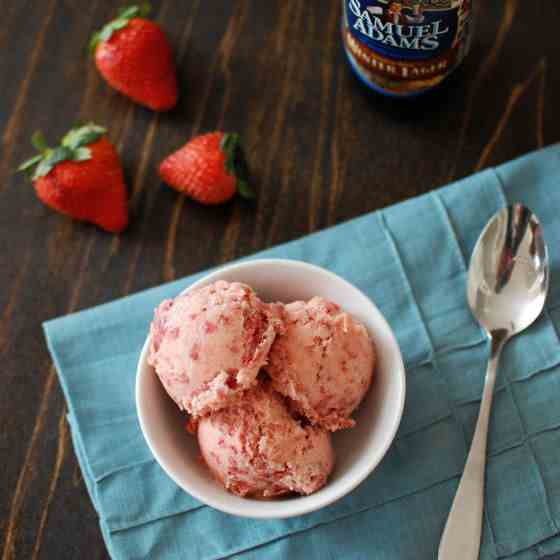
(411, 259)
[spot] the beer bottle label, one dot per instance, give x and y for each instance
(406, 47)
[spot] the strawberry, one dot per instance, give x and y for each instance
(135, 58)
(210, 169)
(82, 177)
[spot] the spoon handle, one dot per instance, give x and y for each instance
(461, 536)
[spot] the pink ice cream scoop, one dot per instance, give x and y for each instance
(256, 448)
(208, 345)
(323, 362)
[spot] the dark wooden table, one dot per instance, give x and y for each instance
(322, 150)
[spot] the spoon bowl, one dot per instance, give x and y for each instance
(508, 273)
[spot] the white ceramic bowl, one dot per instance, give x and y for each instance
(358, 450)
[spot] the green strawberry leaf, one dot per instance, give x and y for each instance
(39, 141)
(28, 164)
(72, 148)
(41, 170)
(130, 12)
(51, 158)
(81, 154)
(245, 189)
(93, 42)
(106, 33)
(119, 23)
(236, 164)
(83, 136)
(123, 17)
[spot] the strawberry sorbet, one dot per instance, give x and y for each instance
(256, 448)
(208, 345)
(323, 362)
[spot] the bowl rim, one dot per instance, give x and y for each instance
(305, 506)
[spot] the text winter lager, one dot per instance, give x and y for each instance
(405, 48)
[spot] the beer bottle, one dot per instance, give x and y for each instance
(406, 47)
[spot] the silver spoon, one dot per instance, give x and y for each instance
(507, 287)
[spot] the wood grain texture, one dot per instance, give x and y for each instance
(322, 150)
(53, 482)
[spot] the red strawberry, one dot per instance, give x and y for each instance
(210, 168)
(82, 177)
(134, 56)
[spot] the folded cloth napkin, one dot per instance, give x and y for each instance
(411, 259)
